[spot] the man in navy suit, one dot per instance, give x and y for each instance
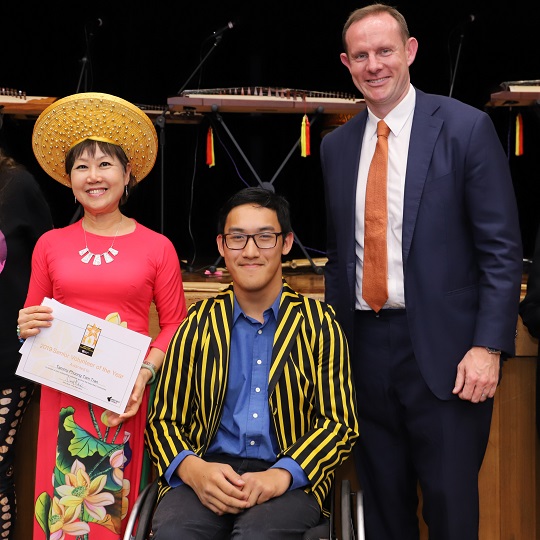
(427, 365)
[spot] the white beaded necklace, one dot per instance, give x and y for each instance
(108, 255)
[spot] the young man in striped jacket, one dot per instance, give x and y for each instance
(255, 406)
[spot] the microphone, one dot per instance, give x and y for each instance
(230, 25)
(467, 20)
(94, 23)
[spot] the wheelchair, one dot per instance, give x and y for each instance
(349, 520)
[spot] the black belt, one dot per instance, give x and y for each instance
(382, 313)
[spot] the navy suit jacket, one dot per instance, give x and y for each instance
(462, 254)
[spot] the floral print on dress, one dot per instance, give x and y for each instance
(88, 484)
(89, 490)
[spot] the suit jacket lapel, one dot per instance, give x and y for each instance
(220, 318)
(424, 133)
(351, 146)
(290, 319)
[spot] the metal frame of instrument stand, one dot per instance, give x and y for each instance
(268, 185)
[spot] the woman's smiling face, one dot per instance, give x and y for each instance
(98, 181)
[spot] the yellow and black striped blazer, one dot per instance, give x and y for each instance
(311, 394)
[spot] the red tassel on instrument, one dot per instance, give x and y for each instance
(305, 145)
(519, 135)
(210, 156)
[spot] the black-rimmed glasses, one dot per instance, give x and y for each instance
(264, 240)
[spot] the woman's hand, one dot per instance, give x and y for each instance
(112, 419)
(31, 319)
(109, 418)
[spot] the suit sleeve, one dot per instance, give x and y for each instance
(492, 210)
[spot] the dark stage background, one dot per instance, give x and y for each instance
(146, 52)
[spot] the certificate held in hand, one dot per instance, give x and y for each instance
(84, 356)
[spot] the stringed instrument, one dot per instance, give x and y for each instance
(261, 99)
(18, 102)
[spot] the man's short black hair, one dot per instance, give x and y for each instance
(257, 196)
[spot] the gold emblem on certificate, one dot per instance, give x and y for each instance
(89, 340)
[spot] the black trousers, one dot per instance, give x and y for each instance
(180, 513)
(409, 436)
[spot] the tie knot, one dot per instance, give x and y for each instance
(382, 129)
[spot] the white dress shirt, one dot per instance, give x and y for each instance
(399, 120)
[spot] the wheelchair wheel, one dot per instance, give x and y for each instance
(360, 531)
(141, 513)
(347, 523)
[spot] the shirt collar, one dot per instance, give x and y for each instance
(237, 310)
(397, 117)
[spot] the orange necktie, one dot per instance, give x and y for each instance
(375, 280)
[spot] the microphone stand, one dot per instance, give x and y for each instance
(461, 36)
(86, 64)
(160, 122)
(217, 41)
(86, 61)
(458, 54)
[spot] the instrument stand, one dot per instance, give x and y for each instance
(268, 185)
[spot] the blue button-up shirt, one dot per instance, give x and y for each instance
(245, 428)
